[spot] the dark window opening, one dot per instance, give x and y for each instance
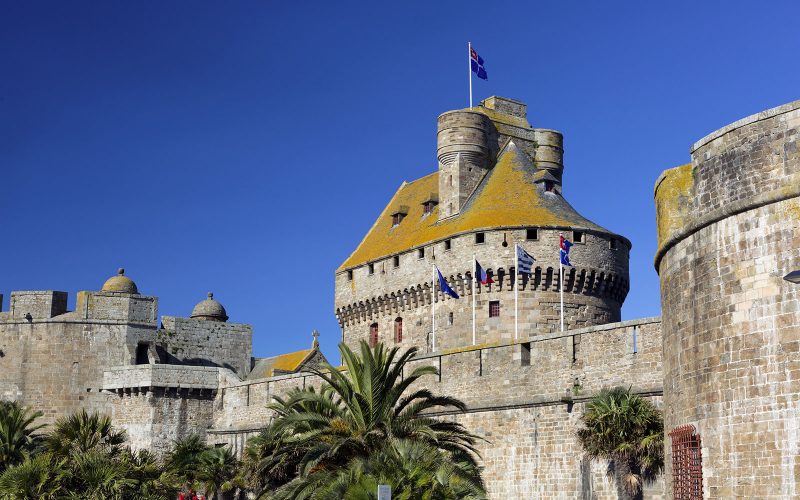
(350, 275)
(398, 330)
(397, 218)
(577, 237)
(447, 245)
(396, 261)
(612, 244)
(421, 253)
(427, 207)
(494, 309)
(687, 463)
(449, 180)
(450, 318)
(141, 354)
(532, 234)
(373, 334)
(371, 268)
(480, 238)
(525, 354)
(549, 186)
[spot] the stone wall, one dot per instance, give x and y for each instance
(729, 230)
(530, 414)
(594, 290)
(206, 343)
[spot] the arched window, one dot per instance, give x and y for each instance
(373, 334)
(398, 330)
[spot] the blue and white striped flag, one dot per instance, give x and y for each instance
(524, 261)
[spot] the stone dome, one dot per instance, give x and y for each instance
(120, 284)
(209, 310)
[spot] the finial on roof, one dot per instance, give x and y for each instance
(209, 310)
(315, 343)
(210, 295)
(120, 283)
(121, 271)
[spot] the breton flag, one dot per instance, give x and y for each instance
(477, 64)
(480, 273)
(565, 245)
(524, 261)
(444, 287)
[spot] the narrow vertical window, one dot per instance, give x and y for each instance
(350, 275)
(494, 308)
(612, 244)
(447, 245)
(421, 253)
(396, 261)
(398, 330)
(480, 238)
(525, 354)
(371, 268)
(373, 334)
(450, 318)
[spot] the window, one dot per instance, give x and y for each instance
(398, 330)
(447, 245)
(549, 186)
(449, 180)
(421, 253)
(612, 244)
(577, 237)
(687, 463)
(427, 207)
(532, 234)
(397, 218)
(450, 318)
(494, 308)
(373, 334)
(141, 354)
(480, 238)
(371, 268)
(350, 275)
(396, 261)
(525, 354)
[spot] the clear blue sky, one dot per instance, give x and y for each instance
(246, 147)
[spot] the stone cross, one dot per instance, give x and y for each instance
(315, 343)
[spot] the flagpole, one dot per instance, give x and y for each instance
(433, 309)
(474, 281)
(516, 296)
(561, 286)
(469, 70)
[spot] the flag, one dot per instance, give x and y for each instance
(480, 273)
(477, 64)
(565, 245)
(444, 287)
(524, 261)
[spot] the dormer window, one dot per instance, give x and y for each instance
(397, 218)
(549, 186)
(427, 205)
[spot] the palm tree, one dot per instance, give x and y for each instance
(360, 413)
(38, 477)
(18, 437)
(628, 431)
(82, 432)
(216, 471)
(184, 459)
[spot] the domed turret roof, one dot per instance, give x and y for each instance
(120, 284)
(209, 310)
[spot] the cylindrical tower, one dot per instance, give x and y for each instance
(729, 230)
(549, 152)
(463, 150)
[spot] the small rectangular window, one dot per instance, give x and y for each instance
(494, 308)
(397, 218)
(350, 275)
(532, 234)
(371, 268)
(612, 244)
(525, 354)
(447, 245)
(450, 318)
(396, 261)
(577, 237)
(421, 253)
(480, 238)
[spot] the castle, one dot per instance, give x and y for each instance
(723, 364)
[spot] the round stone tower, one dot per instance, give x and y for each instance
(729, 231)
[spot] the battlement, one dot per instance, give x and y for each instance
(125, 378)
(201, 342)
(28, 305)
(51, 306)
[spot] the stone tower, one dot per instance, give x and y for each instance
(498, 185)
(728, 231)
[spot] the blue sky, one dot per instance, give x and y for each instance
(246, 147)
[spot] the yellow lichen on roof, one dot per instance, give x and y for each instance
(672, 192)
(290, 362)
(497, 116)
(507, 197)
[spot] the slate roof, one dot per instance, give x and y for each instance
(507, 196)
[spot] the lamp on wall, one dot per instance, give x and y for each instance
(793, 277)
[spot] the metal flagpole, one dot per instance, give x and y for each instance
(516, 294)
(561, 286)
(433, 309)
(469, 70)
(474, 281)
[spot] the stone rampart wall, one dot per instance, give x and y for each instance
(206, 343)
